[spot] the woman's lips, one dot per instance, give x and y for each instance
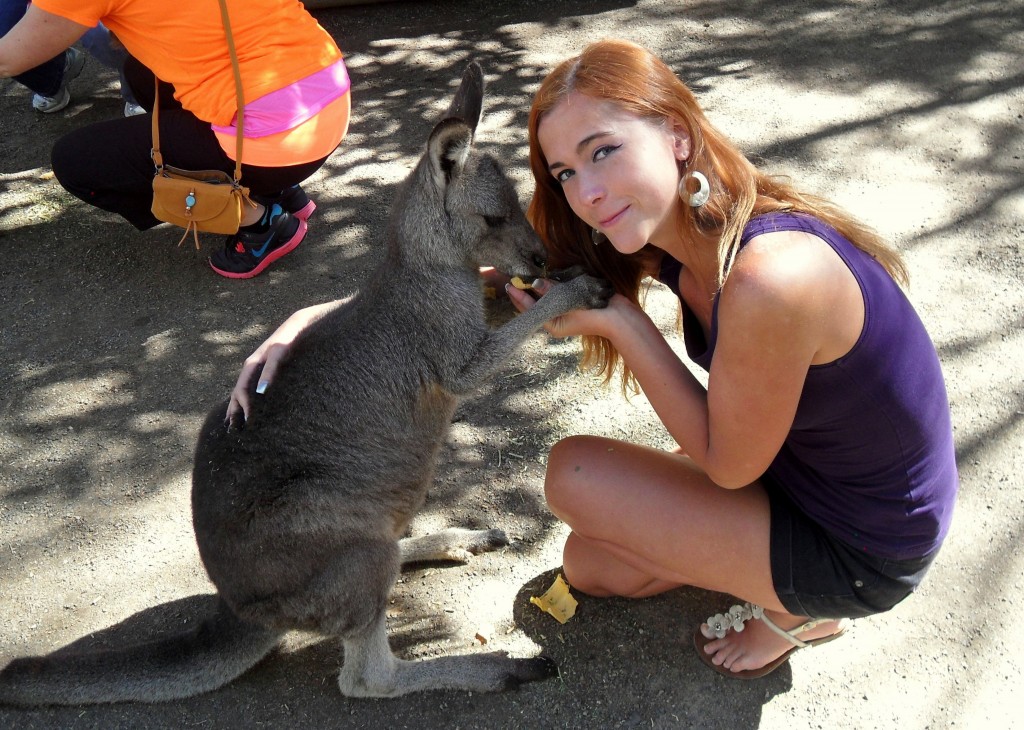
(613, 219)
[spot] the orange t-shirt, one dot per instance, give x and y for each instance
(278, 42)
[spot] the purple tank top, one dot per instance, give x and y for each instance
(870, 454)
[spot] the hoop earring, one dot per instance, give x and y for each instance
(597, 237)
(703, 194)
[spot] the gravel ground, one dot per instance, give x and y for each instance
(115, 344)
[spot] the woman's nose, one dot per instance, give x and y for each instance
(592, 189)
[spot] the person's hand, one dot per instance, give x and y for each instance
(577, 322)
(266, 360)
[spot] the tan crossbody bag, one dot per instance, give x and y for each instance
(201, 200)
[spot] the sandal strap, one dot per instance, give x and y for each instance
(737, 615)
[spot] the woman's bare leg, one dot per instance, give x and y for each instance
(645, 520)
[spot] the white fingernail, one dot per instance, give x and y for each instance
(261, 388)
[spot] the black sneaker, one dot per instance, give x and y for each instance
(294, 200)
(249, 252)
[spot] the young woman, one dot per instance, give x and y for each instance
(815, 475)
(295, 88)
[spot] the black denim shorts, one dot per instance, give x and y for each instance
(819, 576)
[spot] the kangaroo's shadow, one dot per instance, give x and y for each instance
(149, 624)
(298, 654)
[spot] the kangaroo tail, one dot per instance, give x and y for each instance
(219, 650)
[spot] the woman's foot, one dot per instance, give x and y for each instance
(251, 250)
(297, 203)
(757, 649)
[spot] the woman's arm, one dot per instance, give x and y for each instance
(733, 429)
(783, 304)
(267, 359)
(37, 38)
(676, 395)
(790, 302)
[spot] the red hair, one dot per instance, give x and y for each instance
(637, 81)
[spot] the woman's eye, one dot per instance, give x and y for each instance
(563, 175)
(601, 152)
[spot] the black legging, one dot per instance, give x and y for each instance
(108, 164)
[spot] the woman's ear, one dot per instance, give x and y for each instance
(680, 141)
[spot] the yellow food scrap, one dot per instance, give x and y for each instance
(518, 283)
(490, 292)
(557, 601)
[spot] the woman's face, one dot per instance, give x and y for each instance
(619, 172)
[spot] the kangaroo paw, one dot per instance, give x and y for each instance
(452, 544)
(531, 670)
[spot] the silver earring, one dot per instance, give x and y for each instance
(597, 237)
(703, 193)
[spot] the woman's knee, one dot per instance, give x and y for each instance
(73, 164)
(65, 161)
(564, 483)
(107, 164)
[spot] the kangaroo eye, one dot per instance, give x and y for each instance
(493, 221)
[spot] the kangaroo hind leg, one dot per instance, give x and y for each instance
(455, 543)
(372, 670)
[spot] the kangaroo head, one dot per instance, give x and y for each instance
(462, 209)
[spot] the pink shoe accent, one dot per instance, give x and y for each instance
(271, 257)
(306, 212)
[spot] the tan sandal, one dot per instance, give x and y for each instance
(720, 624)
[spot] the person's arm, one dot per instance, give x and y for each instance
(735, 428)
(37, 38)
(676, 395)
(267, 359)
(773, 314)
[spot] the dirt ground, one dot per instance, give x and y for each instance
(116, 343)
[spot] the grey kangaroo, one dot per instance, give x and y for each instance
(299, 514)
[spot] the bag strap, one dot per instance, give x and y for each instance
(158, 159)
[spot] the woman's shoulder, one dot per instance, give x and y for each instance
(783, 262)
(794, 284)
(791, 279)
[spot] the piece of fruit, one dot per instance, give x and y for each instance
(557, 601)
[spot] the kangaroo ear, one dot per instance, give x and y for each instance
(468, 103)
(448, 149)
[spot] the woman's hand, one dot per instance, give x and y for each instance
(598, 322)
(267, 359)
